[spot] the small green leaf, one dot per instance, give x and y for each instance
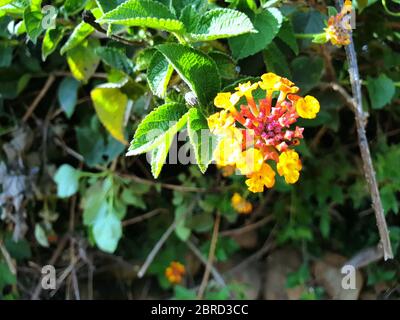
(107, 229)
(164, 120)
(67, 95)
(219, 24)
(201, 139)
(143, 13)
(67, 180)
(40, 236)
(74, 6)
(197, 69)
(160, 153)
(116, 58)
(83, 61)
(80, 33)
(267, 23)
(33, 24)
(158, 74)
(381, 91)
(286, 34)
(51, 40)
(110, 105)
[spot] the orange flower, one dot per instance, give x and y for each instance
(240, 204)
(175, 272)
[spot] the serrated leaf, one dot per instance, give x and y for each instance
(83, 61)
(159, 154)
(166, 119)
(80, 33)
(267, 23)
(67, 95)
(201, 139)
(143, 13)
(67, 180)
(51, 40)
(158, 74)
(197, 69)
(116, 58)
(286, 34)
(226, 65)
(219, 24)
(33, 24)
(381, 91)
(110, 105)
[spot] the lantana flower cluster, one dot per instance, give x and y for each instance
(254, 134)
(175, 272)
(339, 28)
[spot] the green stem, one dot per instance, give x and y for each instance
(305, 35)
(180, 38)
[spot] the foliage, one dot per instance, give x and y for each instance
(81, 79)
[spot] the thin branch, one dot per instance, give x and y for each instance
(38, 98)
(248, 228)
(364, 147)
(216, 275)
(211, 256)
(143, 217)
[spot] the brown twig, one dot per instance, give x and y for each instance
(248, 228)
(211, 256)
(143, 217)
(364, 147)
(38, 98)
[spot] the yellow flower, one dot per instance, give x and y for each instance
(263, 178)
(225, 100)
(307, 107)
(250, 161)
(270, 81)
(175, 272)
(220, 121)
(289, 166)
(228, 151)
(240, 204)
(246, 89)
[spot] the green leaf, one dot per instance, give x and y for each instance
(80, 33)
(160, 153)
(67, 180)
(4, 2)
(5, 55)
(83, 61)
(219, 24)
(381, 91)
(107, 229)
(33, 24)
(143, 13)
(286, 34)
(276, 61)
(67, 95)
(108, 5)
(197, 69)
(307, 72)
(267, 23)
(51, 40)
(74, 6)
(6, 276)
(201, 139)
(110, 105)
(158, 74)
(116, 58)
(164, 120)
(40, 236)
(94, 201)
(226, 65)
